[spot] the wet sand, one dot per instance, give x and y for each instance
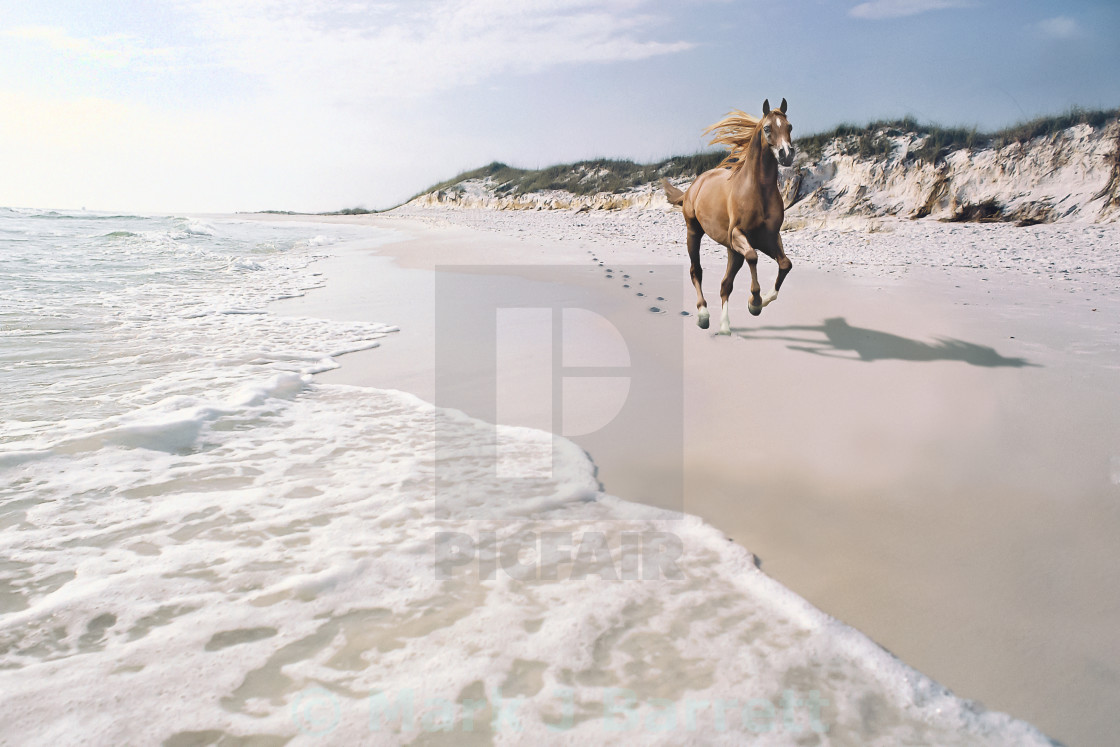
(930, 457)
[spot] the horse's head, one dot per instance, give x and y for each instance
(776, 131)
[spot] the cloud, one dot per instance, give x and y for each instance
(305, 104)
(878, 9)
(116, 50)
(112, 155)
(1059, 27)
(410, 48)
(97, 152)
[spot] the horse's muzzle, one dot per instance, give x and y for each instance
(785, 156)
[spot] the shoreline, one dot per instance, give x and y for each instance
(961, 574)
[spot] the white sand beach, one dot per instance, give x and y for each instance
(283, 465)
(921, 437)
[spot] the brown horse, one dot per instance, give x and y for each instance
(738, 204)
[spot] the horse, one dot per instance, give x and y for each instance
(738, 204)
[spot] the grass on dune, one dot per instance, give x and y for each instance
(866, 141)
(584, 177)
(873, 140)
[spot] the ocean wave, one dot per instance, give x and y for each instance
(139, 304)
(301, 550)
(195, 226)
(56, 215)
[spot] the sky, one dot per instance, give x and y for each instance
(316, 105)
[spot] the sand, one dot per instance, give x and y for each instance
(920, 437)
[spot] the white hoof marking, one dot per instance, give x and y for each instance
(769, 298)
(725, 321)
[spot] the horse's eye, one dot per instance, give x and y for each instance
(766, 129)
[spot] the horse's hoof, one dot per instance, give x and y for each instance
(702, 321)
(755, 310)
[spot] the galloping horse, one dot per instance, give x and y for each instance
(739, 205)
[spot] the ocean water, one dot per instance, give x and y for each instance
(204, 545)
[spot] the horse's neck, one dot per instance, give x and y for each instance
(761, 166)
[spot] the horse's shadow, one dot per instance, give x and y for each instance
(840, 338)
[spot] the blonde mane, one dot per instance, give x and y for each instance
(735, 131)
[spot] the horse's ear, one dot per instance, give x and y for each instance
(782, 108)
(765, 107)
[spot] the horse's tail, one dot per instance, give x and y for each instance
(674, 195)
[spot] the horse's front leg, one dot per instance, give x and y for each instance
(734, 262)
(784, 266)
(746, 251)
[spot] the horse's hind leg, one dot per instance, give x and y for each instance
(695, 233)
(734, 262)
